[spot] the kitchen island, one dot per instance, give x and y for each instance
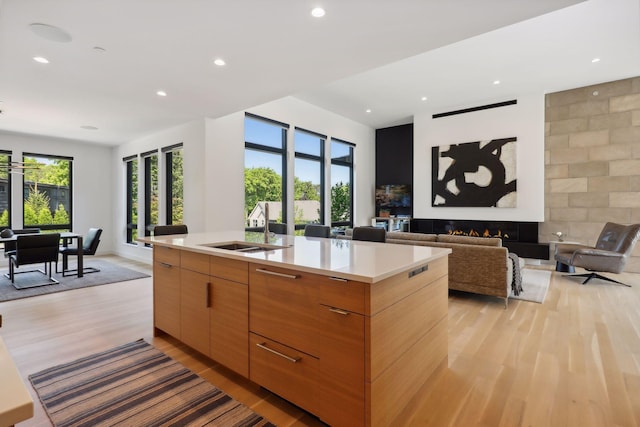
(348, 330)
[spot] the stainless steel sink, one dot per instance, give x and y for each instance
(246, 247)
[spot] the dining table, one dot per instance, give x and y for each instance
(65, 237)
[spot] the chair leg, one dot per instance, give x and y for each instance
(594, 275)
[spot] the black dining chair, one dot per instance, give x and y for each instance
(317, 230)
(369, 234)
(165, 230)
(278, 228)
(90, 244)
(10, 247)
(35, 249)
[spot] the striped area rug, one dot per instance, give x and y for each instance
(135, 385)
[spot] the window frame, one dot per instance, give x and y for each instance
(148, 188)
(129, 203)
(346, 163)
(282, 151)
(68, 226)
(168, 178)
(9, 184)
(316, 158)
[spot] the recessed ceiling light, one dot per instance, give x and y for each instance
(98, 49)
(219, 62)
(496, 82)
(368, 110)
(50, 32)
(594, 60)
(317, 12)
(89, 127)
(424, 98)
(161, 93)
(41, 59)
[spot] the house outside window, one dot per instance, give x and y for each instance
(308, 184)
(264, 170)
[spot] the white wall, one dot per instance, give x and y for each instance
(525, 120)
(92, 180)
(192, 136)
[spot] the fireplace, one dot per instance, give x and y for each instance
(520, 237)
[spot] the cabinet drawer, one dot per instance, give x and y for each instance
(284, 370)
(166, 255)
(195, 262)
(282, 306)
(341, 293)
(341, 389)
(230, 269)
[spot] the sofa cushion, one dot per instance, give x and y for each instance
(403, 235)
(468, 240)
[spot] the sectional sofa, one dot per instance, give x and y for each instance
(477, 264)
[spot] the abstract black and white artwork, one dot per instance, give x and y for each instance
(474, 174)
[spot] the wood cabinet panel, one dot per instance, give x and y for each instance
(337, 292)
(283, 306)
(388, 395)
(341, 360)
(166, 297)
(388, 291)
(166, 255)
(194, 310)
(229, 325)
(394, 330)
(230, 269)
(195, 261)
(285, 371)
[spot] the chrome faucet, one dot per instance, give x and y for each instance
(266, 222)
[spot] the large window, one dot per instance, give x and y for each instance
(308, 184)
(5, 189)
(47, 187)
(341, 184)
(264, 170)
(174, 184)
(131, 173)
(151, 200)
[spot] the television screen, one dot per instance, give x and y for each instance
(393, 195)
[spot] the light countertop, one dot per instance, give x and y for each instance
(354, 260)
(15, 401)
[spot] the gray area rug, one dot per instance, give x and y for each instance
(535, 284)
(109, 273)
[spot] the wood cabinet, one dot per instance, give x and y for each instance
(166, 290)
(195, 302)
(352, 353)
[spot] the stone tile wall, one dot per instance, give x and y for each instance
(592, 161)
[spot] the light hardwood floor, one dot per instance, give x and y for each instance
(572, 361)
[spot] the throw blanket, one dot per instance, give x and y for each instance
(516, 282)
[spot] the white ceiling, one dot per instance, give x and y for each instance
(377, 54)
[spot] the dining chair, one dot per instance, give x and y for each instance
(165, 230)
(34, 249)
(90, 244)
(369, 234)
(317, 230)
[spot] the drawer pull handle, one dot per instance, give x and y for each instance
(165, 265)
(277, 353)
(338, 279)
(338, 311)
(208, 285)
(274, 273)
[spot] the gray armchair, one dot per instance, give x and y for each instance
(610, 254)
